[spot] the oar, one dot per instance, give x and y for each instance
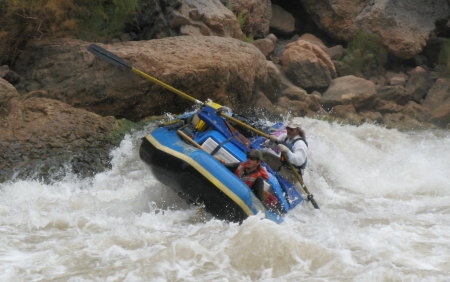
(116, 60)
(297, 175)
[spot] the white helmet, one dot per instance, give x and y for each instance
(294, 124)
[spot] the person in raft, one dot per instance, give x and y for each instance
(292, 146)
(252, 173)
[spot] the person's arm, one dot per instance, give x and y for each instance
(299, 154)
(278, 139)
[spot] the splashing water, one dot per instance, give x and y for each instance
(385, 216)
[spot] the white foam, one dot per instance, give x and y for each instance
(385, 215)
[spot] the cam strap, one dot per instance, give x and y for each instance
(217, 148)
(239, 137)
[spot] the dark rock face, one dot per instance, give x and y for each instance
(403, 26)
(38, 135)
(7, 92)
(159, 19)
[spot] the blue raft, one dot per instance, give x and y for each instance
(184, 154)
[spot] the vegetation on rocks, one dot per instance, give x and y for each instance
(22, 20)
(443, 67)
(365, 56)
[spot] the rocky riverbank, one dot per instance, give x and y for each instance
(61, 105)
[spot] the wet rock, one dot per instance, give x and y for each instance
(262, 102)
(399, 120)
(371, 116)
(40, 135)
(341, 111)
(296, 107)
(416, 111)
(441, 116)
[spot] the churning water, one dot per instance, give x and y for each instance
(385, 216)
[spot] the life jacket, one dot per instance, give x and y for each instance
(270, 200)
(291, 146)
(250, 178)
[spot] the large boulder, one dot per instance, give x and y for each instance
(226, 70)
(308, 65)
(350, 90)
(403, 26)
(39, 135)
(282, 21)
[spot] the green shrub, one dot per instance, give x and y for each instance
(242, 21)
(443, 67)
(366, 55)
(21, 20)
(249, 38)
(99, 19)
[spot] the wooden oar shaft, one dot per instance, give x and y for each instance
(167, 86)
(116, 60)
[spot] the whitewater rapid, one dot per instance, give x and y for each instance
(385, 216)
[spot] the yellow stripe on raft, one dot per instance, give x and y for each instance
(202, 171)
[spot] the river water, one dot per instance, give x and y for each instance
(385, 216)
